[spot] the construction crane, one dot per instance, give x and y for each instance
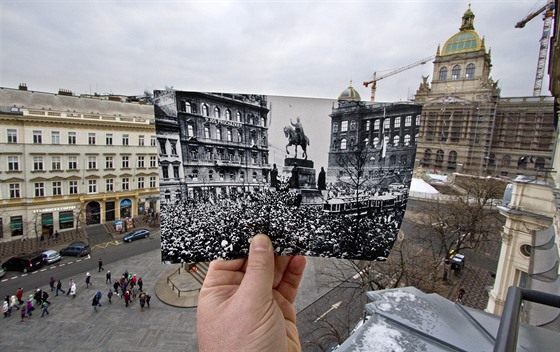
(376, 78)
(543, 49)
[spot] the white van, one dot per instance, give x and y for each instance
(51, 256)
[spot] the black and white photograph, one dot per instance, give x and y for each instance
(320, 177)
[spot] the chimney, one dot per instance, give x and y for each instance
(22, 86)
(66, 92)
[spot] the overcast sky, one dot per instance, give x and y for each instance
(294, 48)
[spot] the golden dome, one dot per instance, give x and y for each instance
(467, 40)
(350, 94)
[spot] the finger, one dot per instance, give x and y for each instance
(289, 285)
(259, 273)
(224, 272)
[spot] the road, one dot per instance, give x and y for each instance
(71, 266)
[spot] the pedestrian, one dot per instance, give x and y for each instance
(52, 282)
(14, 302)
(45, 306)
(99, 296)
(38, 297)
(134, 292)
(148, 297)
(126, 296)
(140, 284)
(56, 234)
(88, 280)
(100, 265)
(23, 312)
(29, 307)
(116, 287)
(6, 307)
(95, 302)
(142, 300)
(110, 295)
(45, 297)
(59, 287)
(70, 284)
(108, 277)
(460, 295)
(72, 290)
(19, 295)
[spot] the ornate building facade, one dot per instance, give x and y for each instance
(386, 132)
(67, 160)
(211, 144)
(467, 127)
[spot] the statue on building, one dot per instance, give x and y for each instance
(296, 137)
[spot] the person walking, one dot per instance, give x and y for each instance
(142, 300)
(148, 297)
(116, 287)
(23, 312)
(45, 306)
(126, 296)
(134, 291)
(14, 302)
(52, 282)
(100, 265)
(95, 302)
(29, 307)
(88, 280)
(110, 295)
(140, 284)
(19, 295)
(6, 307)
(45, 297)
(59, 287)
(72, 290)
(70, 284)
(108, 277)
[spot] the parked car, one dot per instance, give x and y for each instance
(2, 271)
(136, 235)
(76, 249)
(51, 256)
(24, 263)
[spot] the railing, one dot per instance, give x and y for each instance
(169, 281)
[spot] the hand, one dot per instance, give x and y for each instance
(247, 304)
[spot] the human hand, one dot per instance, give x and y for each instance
(247, 304)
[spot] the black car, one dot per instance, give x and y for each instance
(24, 263)
(136, 235)
(76, 249)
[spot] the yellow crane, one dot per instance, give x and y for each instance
(376, 78)
(548, 15)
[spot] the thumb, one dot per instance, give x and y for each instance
(259, 275)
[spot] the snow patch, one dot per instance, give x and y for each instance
(381, 338)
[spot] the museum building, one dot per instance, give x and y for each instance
(68, 161)
(211, 144)
(467, 127)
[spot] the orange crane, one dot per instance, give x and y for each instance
(376, 78)
(545, 39)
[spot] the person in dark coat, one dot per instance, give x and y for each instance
(274, 177)
(322, 180)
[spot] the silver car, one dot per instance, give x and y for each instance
(51, 256)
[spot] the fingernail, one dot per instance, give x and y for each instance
(260, 242)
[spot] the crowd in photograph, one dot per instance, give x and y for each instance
(220, 227)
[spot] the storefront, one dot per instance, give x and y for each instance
(109, 211)
(66, 219)
(16, 225)
(125, 208)
(93, 213)
(47, 227)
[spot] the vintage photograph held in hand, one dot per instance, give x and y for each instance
(320, 177)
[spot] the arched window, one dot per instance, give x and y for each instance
(439, 156)
(217, 112)
(228, 115)
(506, 161)
(241, 175)
(392, 159)
(187, 107)
(352, 125)
(218, 134)
(366, 141)
(376, 142)
(229, 135)
(406, 139)
(404, 159)
(239, 136)
(343, 144)
(396, 140)
(522, 162)
(452, 159)
(204, 110)
(456, 72)
(539, 163)
(492, 159)
(238, 116)
(469, 73)
(443, 74)
(210, 175)
(206, 132)
(351, 145)
(195, 175)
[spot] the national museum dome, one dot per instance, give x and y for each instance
(467, 40)
(349, 94)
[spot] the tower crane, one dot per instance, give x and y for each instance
(543, 49)
(376, 78)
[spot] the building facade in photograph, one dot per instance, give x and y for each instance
(385, 133)
(211, 144)
(467, 127)
(68, 160)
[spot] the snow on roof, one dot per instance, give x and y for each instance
(420, 186)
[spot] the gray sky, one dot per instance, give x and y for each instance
(293, 48)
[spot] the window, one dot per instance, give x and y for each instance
(211, 175)
(37, 137)
(12, 135)
(375, 142)
(218, 134)
(141, 161)
(109, 139)
(109, 185)
(38, 163)
(71, 137)
(229, 135)
(163, 146)
(352, 125)
(72, 163)
(206, 132)
(176, 172)
(153, 161)
(125, 184)
(14, 190)
(408, 121)
(228, 115)
(254, 176)
(397, 122)
(153, 141)
(140, 182)
(368, 125)
(241, 176)
(335, 127)
(13, 163)
(443, 74)
(39, 189)
(387, 124)
(57, 188)
(439, 156)
(396, 140)
(92, 186)
(125, 139)
(217, 112)
(238, 116)
(469, 73)
(153, 182)
(165, 171)
(173, 147)
(456, 72)
(204, 110)
(125, 163)
(187, 107)
(91, 138)
(417, 120)
(56, 163)
(55, 137)
(376, 125)
(190, 130)
(406, 139)
(108, 162)
(344, 126)
(239, 136)
(343, 144)
(141, 141)
(92, 162)
(73, 187)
